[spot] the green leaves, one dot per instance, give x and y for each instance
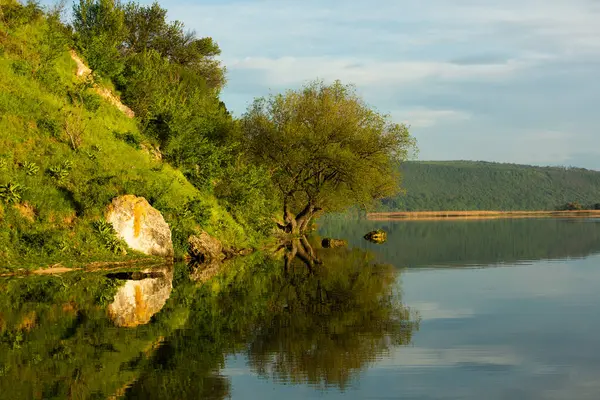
(109, 237)
(61, 172)
(11, 192)
(30, 168)
(325, 146)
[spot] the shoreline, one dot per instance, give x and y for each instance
(471, 215)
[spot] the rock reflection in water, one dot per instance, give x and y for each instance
(143, 295)
(319, 326)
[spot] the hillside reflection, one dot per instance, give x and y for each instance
(476, 242)
(165, 333)
(319, 326)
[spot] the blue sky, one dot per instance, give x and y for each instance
(497, 80)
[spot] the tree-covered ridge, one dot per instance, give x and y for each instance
(470, 242)
(477, 185)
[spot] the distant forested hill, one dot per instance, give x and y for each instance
(476, 185)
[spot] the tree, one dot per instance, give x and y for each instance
(148, 29)
(325, 148)
(99, 31)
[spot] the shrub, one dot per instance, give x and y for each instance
(21, 67)
(130, 138)
(60, 172)
(30, 168)
(11, 192)
(572, 206)
(197, 209)
(109, 237)
(49, 125)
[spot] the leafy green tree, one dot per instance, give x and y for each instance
(148, 29)
(99, 31)
(326, 149)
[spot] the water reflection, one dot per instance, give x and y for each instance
(327, 322)
(476, 242)
(142, 295)
(320, 325)
(169, 330)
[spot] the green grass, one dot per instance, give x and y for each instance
(62, 162)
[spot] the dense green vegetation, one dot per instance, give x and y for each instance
(65, 151)
(56, 340)
(327, 149)
(470, 185)
(68, 145)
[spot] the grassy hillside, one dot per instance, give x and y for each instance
(65, 153)
(470, 185)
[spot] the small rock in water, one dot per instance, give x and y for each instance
(329, 243)
(204, 247)
(378, 236)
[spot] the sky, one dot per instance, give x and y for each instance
(495, 80)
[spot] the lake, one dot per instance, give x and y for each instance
(482, 309)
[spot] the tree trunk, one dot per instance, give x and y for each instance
(297, 225)
(301, 249)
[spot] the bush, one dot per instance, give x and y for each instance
(130, 138)
(11, 192)
(60, 172)
(30, 168)
(21, 67)
(572, 206)
(17, 15)
(109, 237)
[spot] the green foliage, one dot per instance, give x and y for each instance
(30, 168)
(109, 237)
(572, 206)
(196, 209)
(130, 138)
(11, 192)
(106, 292)
(148, 30)
(16, 15)
(325, 147)
(470, 185)
(47, 116)
(99, 29)
(61, 171)
(21, 67)
(248, 193)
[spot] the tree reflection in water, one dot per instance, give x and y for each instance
(307, 316)
(330, 320)
(318, 319)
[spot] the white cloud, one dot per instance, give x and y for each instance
(427, 118)
(440, 65)
(286, 71)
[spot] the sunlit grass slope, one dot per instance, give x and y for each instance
(65, 153)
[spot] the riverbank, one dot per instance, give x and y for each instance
(454, 215)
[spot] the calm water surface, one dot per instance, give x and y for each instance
(503, 309)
